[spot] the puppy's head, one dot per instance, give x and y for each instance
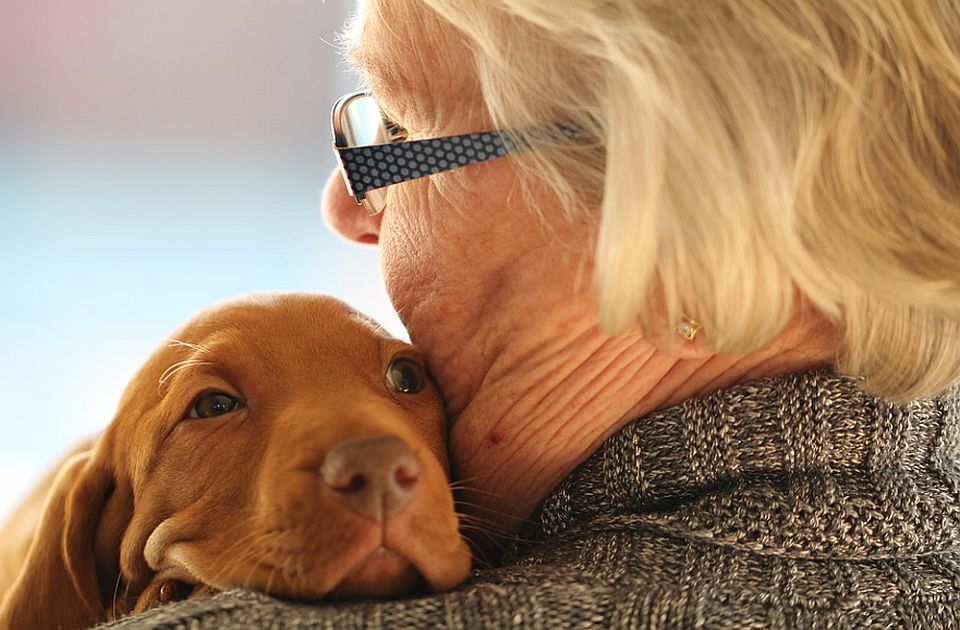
(283, 443)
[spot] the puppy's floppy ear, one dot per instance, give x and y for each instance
(97, 513)
(63, 584)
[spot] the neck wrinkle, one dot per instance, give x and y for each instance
(565, 393)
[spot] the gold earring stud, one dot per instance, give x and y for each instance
(688, 328)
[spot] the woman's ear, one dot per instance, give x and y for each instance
(62, 584)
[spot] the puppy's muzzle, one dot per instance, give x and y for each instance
(375, 477)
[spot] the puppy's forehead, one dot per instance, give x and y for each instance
(296, 324)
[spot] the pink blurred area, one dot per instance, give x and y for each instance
(156, 156)
(227, 72)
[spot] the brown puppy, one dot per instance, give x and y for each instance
(283, 443)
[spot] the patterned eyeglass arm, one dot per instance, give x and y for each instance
(377, 165)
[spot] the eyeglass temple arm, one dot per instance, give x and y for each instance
(374, 166)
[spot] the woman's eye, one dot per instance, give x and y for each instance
(393, 131)
(214, 404)
(405, 376)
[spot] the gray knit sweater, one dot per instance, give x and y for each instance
(798, 501)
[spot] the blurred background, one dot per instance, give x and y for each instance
(155, 157)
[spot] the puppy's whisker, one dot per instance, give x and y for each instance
(491, 529)
(301, 574)
(250, 551)
(258, 558)
(487, 542)
(476, 528)
(126, 595)
(489, 510)
(186, 344)
(496, 537)
(480, 524)
(468, 519)
(174, 369)
(486, 527)
(236, 553)
(273, 571)
(290, 570)
(466, 480)
(249, 557)
(476, 523)
(485, 493)
(472, 518)
(475, 549)
(485, 509)
(257, 562)
(466, 489)
(230, 551)
(180, 365)
(116, 592)
(463, 486)
(286, 571)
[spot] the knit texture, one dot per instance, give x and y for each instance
(798, 501)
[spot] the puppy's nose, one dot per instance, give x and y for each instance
(375, 476)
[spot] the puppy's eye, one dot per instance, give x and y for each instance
(214, 404)
(172, 591)
(405, 376)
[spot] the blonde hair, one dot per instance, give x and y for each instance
(751, 154)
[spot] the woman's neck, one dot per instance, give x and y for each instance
(551, 390)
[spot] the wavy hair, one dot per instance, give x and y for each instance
(750, 156)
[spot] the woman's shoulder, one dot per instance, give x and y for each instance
(624, 575)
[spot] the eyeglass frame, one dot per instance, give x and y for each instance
(404, 160)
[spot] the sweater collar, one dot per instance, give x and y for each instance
(802, 465)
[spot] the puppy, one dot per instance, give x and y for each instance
(283, 443)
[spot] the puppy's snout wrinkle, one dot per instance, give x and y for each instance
(376, 477)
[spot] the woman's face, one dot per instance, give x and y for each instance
(460, 251)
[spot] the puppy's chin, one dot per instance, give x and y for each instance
(383, 573)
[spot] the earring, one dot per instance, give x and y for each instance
(688, 328)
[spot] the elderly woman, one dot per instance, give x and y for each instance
(694, 307)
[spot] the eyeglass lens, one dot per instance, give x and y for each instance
(363, 124)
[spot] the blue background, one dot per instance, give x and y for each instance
(155, 157)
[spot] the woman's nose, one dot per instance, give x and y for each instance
(345, 217)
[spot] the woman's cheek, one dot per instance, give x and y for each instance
(409, 251)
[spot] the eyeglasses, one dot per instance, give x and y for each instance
(373, 152)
